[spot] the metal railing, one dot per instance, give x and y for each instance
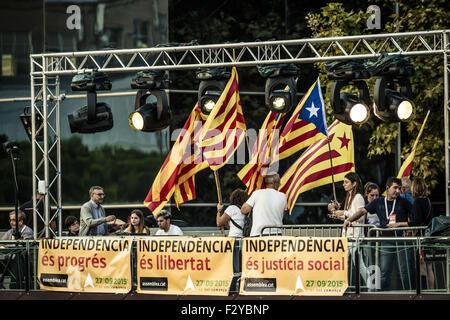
(417, 264)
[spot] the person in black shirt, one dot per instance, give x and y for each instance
(390, 210)
(72, 225)
(422, 213)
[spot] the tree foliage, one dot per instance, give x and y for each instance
(427, 83)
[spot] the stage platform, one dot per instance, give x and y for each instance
(47, 295)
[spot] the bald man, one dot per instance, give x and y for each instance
(268, 205)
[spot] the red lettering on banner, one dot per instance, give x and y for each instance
(327, 265)
(166, 262)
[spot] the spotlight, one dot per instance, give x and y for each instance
(280, 100)
(349, 108)
(392, 93)
(95, 117)
(152, 116)
(392, 105)
(212, 83)
(281, 86)
(25, 117)
(155, 115)
(209, 92)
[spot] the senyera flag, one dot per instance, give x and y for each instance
(205, 140)
(264, 153)
(306, 125)
(405, 169)
(313, 168)
(225, 127)
(177, 174)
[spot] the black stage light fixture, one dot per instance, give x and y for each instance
(155, 115)
(281, 86)
(150, 116)
(393, 105)
(212, 84)
(392, 91)
(95, 117)
(349, 108)
(25, 117)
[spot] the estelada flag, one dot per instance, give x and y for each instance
(264, 153)
(313, 168)
(225, 127)
(177, 174)
(306, 125)
(405, 169)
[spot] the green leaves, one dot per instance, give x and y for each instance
(427, 83)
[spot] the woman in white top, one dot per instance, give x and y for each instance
(353, 201)
(232, 217)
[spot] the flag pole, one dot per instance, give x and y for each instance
(421, 130)
(219, 192)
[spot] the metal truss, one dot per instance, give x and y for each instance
(46, 154)
(242, 54)
(46, 69)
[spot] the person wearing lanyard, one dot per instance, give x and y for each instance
(390, 209)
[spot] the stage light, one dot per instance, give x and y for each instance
(392, 105)
(405, 110)
(212, 83)
(392, 91)
(359, 113)
(279, 103)
(25, 117)
(349, 108)
(281, 86)
(208, 103)
(208, 98)
(154, 115)
(150, 116)
(94, 117)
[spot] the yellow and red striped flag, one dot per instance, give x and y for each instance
(313, 168)
(306, 125)
(264, 153)
(405, 169)
(178, 171)
(225, 127)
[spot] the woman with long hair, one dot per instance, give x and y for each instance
(137, 224)
(232, 216)
(371, 192)
(353, 201)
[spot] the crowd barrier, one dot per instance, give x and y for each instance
(416, 263)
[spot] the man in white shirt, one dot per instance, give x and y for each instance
(269, 206)
(165, 228)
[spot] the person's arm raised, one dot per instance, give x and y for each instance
(358, 214)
